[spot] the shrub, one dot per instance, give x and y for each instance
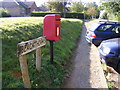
(67, 15)
(4, 13)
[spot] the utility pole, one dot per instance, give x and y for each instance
(64, 8)
(84, 9)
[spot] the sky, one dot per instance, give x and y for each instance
(39, 2)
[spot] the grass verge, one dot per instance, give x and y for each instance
(15, 30)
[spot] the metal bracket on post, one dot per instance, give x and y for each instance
(51, 51)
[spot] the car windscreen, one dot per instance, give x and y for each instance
(104, 27)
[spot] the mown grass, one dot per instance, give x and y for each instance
(15, 30)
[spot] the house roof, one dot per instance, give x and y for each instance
(29, 4)
(43, 8)
(15, 3)
(8, 4)
(23, 4)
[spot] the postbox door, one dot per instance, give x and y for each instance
(52, 27)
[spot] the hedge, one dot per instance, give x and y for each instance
(67, 15)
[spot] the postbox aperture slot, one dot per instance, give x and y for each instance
(58, 19)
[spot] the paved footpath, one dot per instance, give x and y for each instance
(87, 71)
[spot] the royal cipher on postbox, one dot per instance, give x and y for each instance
(51, 28)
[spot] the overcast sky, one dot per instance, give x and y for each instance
(39, 2)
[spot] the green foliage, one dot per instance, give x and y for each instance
(104, 15)
(67, 15)
(92, 4)
(15, 30)
(110, 84)
(77, 7)
(4, 13)
(112, 8)
(92, 9)
(55, 6)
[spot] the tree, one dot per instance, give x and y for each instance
(55, 6)
(103, 14)
(112, 8)
(77, 7)
(92, 11)
(92, 4)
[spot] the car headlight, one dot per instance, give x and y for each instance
(106, 50)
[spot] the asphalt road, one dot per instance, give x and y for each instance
(86, 70)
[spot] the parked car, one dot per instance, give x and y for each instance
(102, 31)
(109, 51)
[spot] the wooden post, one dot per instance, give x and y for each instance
(24, 70)
(25, 47)
(38, 59)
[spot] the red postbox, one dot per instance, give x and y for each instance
(52, 27)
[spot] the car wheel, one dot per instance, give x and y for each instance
(118, 68)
